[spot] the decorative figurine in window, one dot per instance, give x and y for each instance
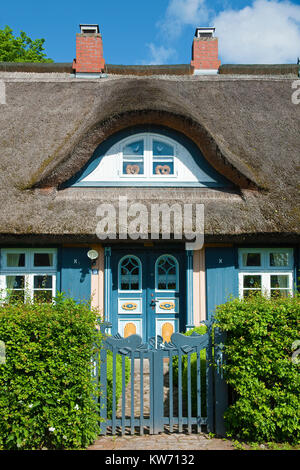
(162, 169)
(132, 169)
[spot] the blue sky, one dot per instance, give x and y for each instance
(161, 31)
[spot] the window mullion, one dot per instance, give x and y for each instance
(53, 285)
(148, 156)
(241, 281)
(28, 287)
(266, 284)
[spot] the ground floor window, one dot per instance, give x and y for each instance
(266, 270)
(28, 274)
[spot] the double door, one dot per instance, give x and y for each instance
(148, 292)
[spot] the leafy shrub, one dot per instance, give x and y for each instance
(201, 330)
(265, 381)
(46, 391)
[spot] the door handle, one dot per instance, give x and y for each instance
(153, 302)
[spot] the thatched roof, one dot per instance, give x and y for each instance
(246, 126)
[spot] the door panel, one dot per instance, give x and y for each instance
(148, 292)
(128, 294)
(167, 295)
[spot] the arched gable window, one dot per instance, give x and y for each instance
(160, 158)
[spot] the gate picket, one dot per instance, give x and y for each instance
(142, 394)
(123, 394)
(199, 411)
(152, 412)
(171, 407)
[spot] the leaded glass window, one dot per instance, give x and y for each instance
(130, 274)
(166, 273)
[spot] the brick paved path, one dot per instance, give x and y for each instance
(161, 442)
(146, 394)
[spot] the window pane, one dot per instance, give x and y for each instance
(251, 259)
(163, 168)
(251, 292)
(166, 273)
(15, 296)
(15, 286)
(252, 282)
(15, 282)
(135, 148)
(280, 293)
(133, 167)
(161, 148)
(42, 282)
(129, 275)
(280, 281)
(15, 260)
(279, 259)
(44, 296)
(43, 259)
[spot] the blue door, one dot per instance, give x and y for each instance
(148, 292)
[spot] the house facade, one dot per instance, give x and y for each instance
(110, 173)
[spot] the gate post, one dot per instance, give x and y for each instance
(210, 382)
(103, 391)
(221, 387)
(157, 385)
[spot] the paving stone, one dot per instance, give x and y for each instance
(161, 442)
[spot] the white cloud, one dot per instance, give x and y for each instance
(159, 54)
(183, 12)
(266, 32)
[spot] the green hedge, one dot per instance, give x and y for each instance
(201, 330)
(264, 379)
(46, 391)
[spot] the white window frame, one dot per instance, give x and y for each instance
(148, 157)
(29, 270)
(266, 270)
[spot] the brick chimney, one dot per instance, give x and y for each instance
(205, 52)
(89, 60)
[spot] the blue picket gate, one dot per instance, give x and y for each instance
(157, 395)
